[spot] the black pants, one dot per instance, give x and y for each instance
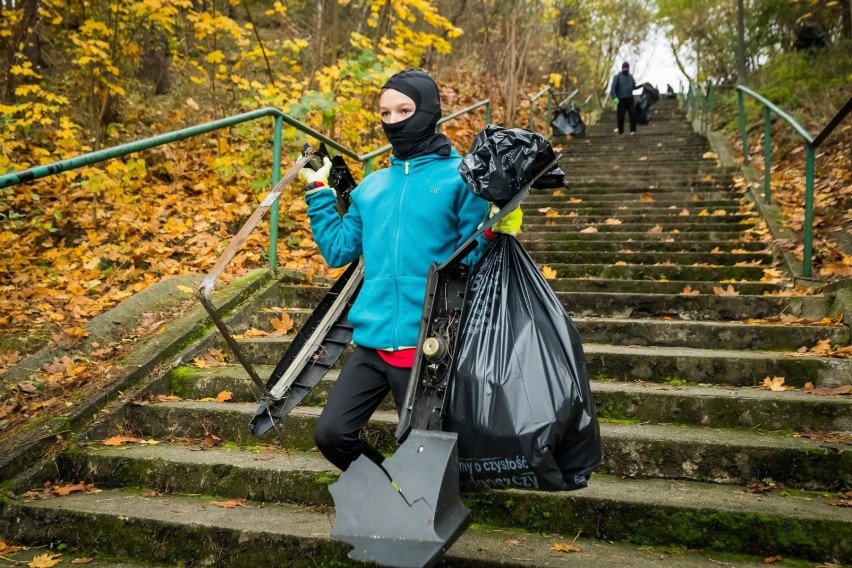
(626, 105)
(363, 383)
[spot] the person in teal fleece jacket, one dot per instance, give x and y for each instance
(402, 219)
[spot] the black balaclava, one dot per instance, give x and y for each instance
(415, 136)
(625, 68)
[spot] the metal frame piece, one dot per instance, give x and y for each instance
(315, 349)
(205, 288)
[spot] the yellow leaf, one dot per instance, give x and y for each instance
(558, 193)
(548, 273)
(709, 156)
(822, 347)
(575, 200)
(704, 213)
(590, 230)
(688, 291)
(283, 324)
(81, 560)
(224, 396)
(45, 561)
(647, 197)
(562, 547)
(729, 291)
(620, 263)
(230, 503)
(186, 289)
(119, 440)
(774, 384)
(612, 221)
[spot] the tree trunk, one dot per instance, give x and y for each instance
(846, 7)
(156, 61)
(741, 56)
(25, 34)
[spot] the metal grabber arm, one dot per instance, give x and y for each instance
(205, 288)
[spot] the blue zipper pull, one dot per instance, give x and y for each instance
(406, 167)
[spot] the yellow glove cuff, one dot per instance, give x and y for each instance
(510, 224)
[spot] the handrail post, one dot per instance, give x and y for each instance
(711, 94)
(547, 116)
(531, 113)
(276, 176)
(807, 266)
(743, 131)
(767, 154)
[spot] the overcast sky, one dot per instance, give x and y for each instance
(655, 63)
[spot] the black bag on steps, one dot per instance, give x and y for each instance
(520, 399)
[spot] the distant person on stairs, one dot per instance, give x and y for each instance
(621, 92)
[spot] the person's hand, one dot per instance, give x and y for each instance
(510, 224)
(311, 177)
(615, 100)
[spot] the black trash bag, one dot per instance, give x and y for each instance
(808, 36)
(520, 399)
(649, 96)
(670, 92)
(568, 123)
(501, 161)
(339, 177)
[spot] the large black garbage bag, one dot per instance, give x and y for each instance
(650, 95)
(501, 161)
(567, 122)
(520, 399)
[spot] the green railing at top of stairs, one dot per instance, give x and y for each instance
(38, 172)
(811, 145)
(699, 101)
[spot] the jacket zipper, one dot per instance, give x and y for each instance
(394, 339)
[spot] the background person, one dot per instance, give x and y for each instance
(621, 92)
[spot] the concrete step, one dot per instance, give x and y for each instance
(671, 271)
(703, 307)
(648, 451)
(660, 364)
(650, 218)
(639, 246)
(648, 403)
(632, 203)
(650, 258)
(546, 233)
(711, 225)
(611, 285)
(259, 534)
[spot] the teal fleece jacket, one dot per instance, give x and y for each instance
(402, 219)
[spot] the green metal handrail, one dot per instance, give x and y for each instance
(90, 158)
(545, 91)
(705, 94)
(811, 145)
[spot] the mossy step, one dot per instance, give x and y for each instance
(646, 258)
(636, 450)
(661, 271)
(702, 307)
(616, 197)
(660, 364)
(734, 336)
(667, 217)
(537, 244)
(716, 407)
(673, 192)
(712, 225)
(635, 305)
(547, 233)
(633, 205)
(585, 284)
(187, 530)
(654, 403)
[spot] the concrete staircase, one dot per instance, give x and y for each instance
(702, 466)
